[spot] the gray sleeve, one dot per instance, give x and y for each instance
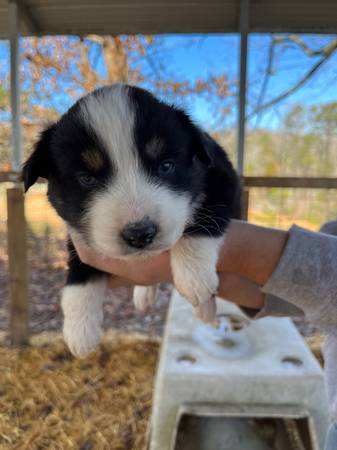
(275, 306)
(330, 371)
(306, 276)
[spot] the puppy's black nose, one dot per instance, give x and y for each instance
(139, 234)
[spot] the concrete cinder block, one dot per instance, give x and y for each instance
(241, 373)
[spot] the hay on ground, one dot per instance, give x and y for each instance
(50, 400)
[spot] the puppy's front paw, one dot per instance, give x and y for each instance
(196, 288)
(144, 297)
(206, 311)
(82, 337)
(82, 307)
(193, 262)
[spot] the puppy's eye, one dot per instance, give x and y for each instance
(87, 180)
(166, 168)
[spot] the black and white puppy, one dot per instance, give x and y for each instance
(132, 176)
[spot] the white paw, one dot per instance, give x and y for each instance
(82, 306)
(193, 262)
(197, 289)
(144, 297)
(82, 337)
(206, 311)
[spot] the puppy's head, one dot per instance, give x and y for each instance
(124, 170)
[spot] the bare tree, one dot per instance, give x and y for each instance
(54, 66)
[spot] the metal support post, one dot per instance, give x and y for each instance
(244, 30)
(15, 85)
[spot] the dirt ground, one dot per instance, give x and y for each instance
(47, 264)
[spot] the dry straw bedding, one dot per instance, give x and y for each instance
(50, 400)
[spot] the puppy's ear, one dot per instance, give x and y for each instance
(38, 164)
(201, 142)
(203, 146)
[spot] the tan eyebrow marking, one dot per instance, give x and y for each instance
(154, 147)
(93, 159)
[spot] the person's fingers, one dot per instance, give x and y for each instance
(156, 269)
(87, 256)
(117, 282)
(240, 290)
(147, 271)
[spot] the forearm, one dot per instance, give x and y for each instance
(251, 251)
(298, 266)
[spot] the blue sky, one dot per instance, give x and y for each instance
(217, 54)
(192, 57)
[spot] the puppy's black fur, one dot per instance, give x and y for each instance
(202, 169)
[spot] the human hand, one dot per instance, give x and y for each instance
(143, 272)
(156, 269)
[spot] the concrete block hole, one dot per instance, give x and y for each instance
(186, 359)
(242, 433)
(292, 361)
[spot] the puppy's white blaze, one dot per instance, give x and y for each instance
(82, 306)
(110, 114)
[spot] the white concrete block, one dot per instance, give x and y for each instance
(262, 370)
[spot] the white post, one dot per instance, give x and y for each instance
(15, 85)
(244, 30)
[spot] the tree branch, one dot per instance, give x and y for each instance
(294, 39)
(330, 49)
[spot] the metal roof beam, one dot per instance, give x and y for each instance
(27, 17)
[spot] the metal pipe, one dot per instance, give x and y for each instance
(244, 30)
(13, 14)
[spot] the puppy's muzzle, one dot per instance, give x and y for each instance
(139, 234)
